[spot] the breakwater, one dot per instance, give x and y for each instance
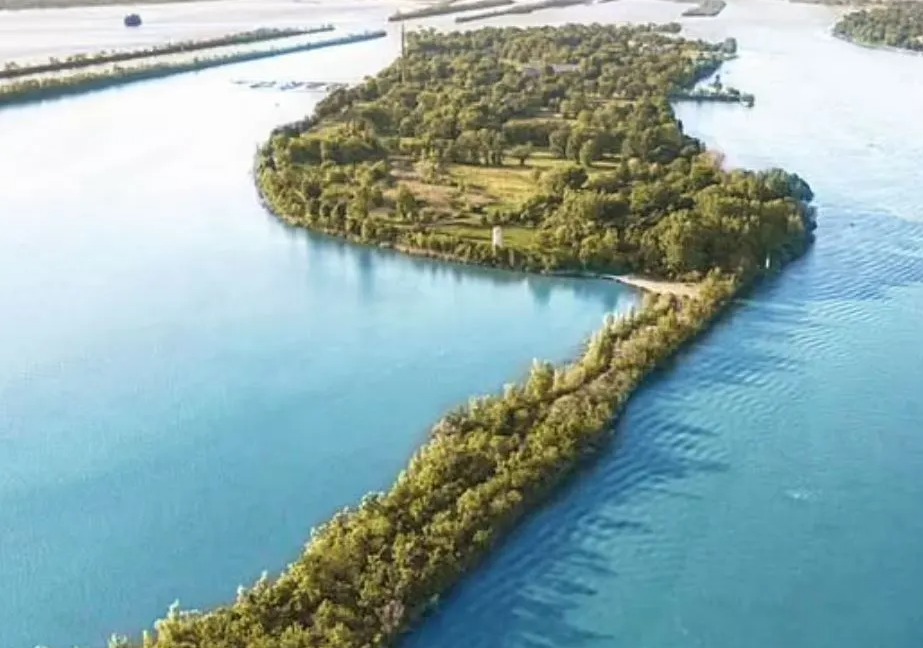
(446, 8)
(47, 88)
(707, 9)
(520, 9)
(12, 70)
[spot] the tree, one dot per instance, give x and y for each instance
(406, 204)
(557, 142)
(662, 208)
(558, 179)
(589, 152)
(521, 153)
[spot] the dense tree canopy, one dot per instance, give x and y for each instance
(366, 575)
(895, 25)
(565, 136)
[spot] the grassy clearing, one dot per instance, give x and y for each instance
(504, 184)
(520, 238)
(459, 200)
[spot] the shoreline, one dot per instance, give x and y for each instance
(575, 404)
(39, 5)
(659, 286)
(445, 9)
(645, 285)
(706, 9)
(651, 285)
(54, 87)
(485, 467)
(873, 46)
(520, 9)
(13, 70)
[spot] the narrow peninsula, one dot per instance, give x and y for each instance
(446, 7)
(521, 8)
(541, 149)
(38, 87)
(706, 9)
(13, 70)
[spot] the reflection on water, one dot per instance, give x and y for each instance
(179, 374)
(186, 387)
(763, 490)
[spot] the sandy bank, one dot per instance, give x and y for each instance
(679, 288)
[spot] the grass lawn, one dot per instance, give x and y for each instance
(504, 184)
(520, 238)
(457, 202)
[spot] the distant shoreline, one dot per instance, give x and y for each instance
(18, 5)
(875, 46)
(41, 88)
(851, 4)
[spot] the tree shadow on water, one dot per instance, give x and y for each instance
(523, 595)
(530, 590)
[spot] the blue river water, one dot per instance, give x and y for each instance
(186, 387)
(765, 491)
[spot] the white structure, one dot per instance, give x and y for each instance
(497, 237)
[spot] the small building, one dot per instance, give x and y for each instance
(496, 237)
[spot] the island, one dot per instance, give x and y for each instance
(575, 153)
(898, 25)
(541, 149)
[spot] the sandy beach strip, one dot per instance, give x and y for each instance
(678, 288)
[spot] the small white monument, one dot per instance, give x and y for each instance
(497, 237)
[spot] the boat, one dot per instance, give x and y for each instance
(133, 20)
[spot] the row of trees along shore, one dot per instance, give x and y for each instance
(614, 184)
(370, 572)
(46, 87)
(565, 137)
(12, 70)
(894, 25)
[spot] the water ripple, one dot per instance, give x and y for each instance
(762, 490)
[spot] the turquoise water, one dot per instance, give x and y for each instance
(186, 387)
(767, 490)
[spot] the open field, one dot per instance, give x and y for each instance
(460, 201)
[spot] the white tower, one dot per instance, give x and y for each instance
(497, 237)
